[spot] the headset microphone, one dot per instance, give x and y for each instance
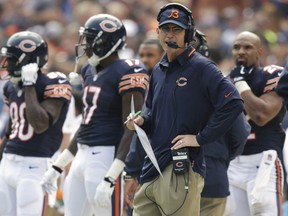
(173, 45)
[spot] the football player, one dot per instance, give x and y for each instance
(150, 53)
(38, 103)
(256, 176)
(103, 141)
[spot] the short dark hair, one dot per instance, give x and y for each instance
(153, 41)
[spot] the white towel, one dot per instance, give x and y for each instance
(263, 175)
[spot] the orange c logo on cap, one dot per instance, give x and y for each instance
(174, 14)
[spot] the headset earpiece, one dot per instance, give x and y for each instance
(190, 31)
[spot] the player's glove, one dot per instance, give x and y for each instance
(106, 187)
(104, 192)
(49, 181)
(29, 74)
(240, 73)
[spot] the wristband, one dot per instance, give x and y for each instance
(242, 86)
(110, 180)
(64, 159)
(57, 169)
(238, 79)
(115, 169)
(127, 177)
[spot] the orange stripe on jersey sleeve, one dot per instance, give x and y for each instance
(134, 80)
(58, 91)
(274, 80)
(269, 88)
(271, 84)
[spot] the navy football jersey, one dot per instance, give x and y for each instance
(271, 135)
(102, 99)
(22, 140)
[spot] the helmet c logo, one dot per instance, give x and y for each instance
(174, 14)
(108, 26)
(27, 45)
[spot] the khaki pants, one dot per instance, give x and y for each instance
(212, 206)
(168, 194)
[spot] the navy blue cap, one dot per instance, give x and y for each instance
(175, 16)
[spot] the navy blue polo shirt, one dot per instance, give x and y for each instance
(187, 96)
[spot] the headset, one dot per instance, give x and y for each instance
(190, 31)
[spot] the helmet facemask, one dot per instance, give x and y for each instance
(10, 63)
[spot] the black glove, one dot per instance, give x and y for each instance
(240, 73)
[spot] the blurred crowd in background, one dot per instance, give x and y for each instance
(59, 20)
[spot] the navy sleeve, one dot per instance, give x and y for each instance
(135, 158)
(146, 114)
(220, 122)
(237, 136)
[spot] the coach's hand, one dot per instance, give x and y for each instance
(139, 120)
(240, 73)
(29, 74)
(49, 180)
(104, 192)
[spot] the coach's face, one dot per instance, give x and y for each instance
(171, 33)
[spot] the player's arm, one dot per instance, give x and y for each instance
(105, 189)
(43, 115)
(126, 109)
(259, 109)
(262, 109)
(124, 145)
(40, 116)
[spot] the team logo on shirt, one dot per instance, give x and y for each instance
(182, 81)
